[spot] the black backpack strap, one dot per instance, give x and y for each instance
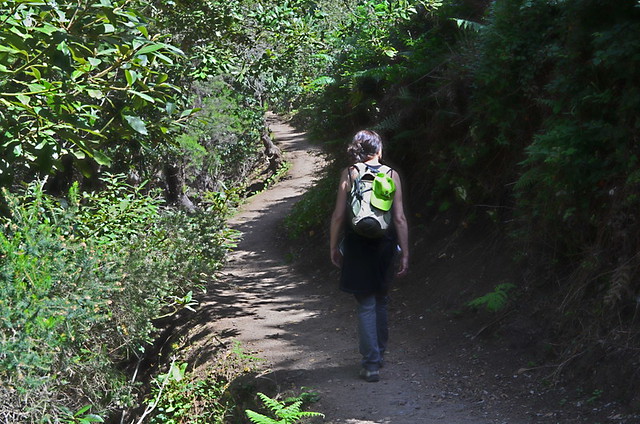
(388, 170)
(355, 188)
(354, 166)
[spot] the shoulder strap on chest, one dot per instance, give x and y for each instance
(351, 170)
(386, 169)
(363, 168)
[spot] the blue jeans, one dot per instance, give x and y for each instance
(373, 331)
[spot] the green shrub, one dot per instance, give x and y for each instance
(202, 397)
(313, 210)
(220, 148)
(82, 281)
(56, 323)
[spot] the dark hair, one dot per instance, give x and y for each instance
(364, 145)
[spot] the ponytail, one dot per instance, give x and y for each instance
(365, 144)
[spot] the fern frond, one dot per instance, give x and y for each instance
(272, 404)
(311, 414)
(407, 96)
(322, 82)
(620, 283)
(495, 300)
(466, 24)
(390, 123)
(292, 409)
(285, 414)
(528, 180)
(256, 418)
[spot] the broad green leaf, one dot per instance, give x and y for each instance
(150, 48)
(107, 52)
(62, 47)
(96, 94)
(164, 58)
(77, 74)
(94, 61)
(35, 72)
(101, 158)
(391, 52)
(11, 50)
(188, 112)
(49, 29)
(36, 87)
(82, 410)
(143, 30)
(143, 96)
(23, 99)
(130, 76)
(325, 80)
(17, 32)
(137, 124)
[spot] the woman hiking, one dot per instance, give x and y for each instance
(367, 261)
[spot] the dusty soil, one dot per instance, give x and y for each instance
(444, 365)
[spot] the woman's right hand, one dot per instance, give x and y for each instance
(336, 257)
(403, 266)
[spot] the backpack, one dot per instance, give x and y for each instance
(370, 200)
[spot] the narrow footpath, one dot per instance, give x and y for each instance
(305, 328)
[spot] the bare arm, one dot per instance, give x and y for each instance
(338, 218)
(400, 222)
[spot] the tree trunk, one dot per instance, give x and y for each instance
(273, 153)
(174, 180)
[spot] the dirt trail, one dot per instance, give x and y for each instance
(305, 328)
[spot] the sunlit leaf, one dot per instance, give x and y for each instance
(143, 96)
(136, 123)
(150, 48)
(101, 158)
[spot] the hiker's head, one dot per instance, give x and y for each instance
(364, 146)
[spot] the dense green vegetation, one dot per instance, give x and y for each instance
(523, 112)
(129, 132)
(117, 116)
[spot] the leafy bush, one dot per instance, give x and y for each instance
(313, 210)
(83, 280)
(528, 110)
(222, 146)
(56, 309)
(201, 397)
(79, 83)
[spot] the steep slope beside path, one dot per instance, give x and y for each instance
(304, 327)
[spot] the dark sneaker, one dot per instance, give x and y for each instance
(370, 376)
